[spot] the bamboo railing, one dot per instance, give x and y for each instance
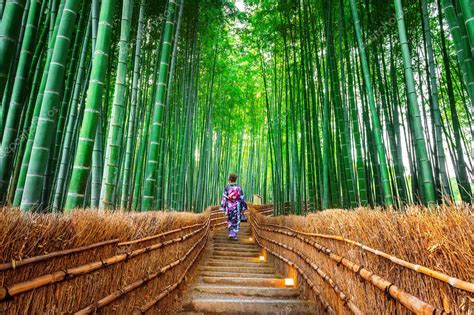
(170, 288)
(153, 237)
(15, 264)
(125, 251)
(25, 286)
(325, 277)
(409, 301)
(452, 281)
(128, 288)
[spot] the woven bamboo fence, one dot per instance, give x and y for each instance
(354, 277)
(97, 262)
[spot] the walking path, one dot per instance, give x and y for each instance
(233, 281)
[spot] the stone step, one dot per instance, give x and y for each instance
(254, 282)
(252, 251)
(229, 240)
(235, 247)
(238, 269)
(224, 253)
(235, 255)
(225, 234)
(234, 244)
(251, 306)
(206, 273)
(248, 291)
(229, 259)
(235, 258)
(233, 263)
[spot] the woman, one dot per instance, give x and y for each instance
(233, 203)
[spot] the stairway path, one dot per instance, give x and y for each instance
(233, 281)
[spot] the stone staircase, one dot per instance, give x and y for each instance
(233, 281)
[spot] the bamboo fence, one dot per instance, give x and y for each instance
(452, 281)
(153, 266)
(374, 293)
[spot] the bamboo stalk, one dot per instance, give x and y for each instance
(409, 301)
(15, 264)
(132, 286)
(452, 281)
(57, 276)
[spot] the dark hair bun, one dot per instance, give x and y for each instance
(232, 177)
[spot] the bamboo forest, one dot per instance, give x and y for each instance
(236, 157)
(147, 105)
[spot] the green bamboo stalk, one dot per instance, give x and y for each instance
(49, 109)
(460, 164)
(462, 47)
(377, 133)
(127, 170)
(10, 24)
(9, 141)
(114, 141)
(439, 147)
(82, 162)
(420, 145)
(153, 147)
(67, 144)
(467, 8)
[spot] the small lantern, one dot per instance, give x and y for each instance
(289, 282)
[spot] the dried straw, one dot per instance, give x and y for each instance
(25, 236)
(439, 239)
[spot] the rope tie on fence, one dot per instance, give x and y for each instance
(104, 263)
(67, 275)
(389, 295)
(358, 275)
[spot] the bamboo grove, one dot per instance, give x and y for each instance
(145, 105)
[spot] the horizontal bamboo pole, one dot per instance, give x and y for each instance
(452, 281)
(310, 283)
(128, 288)
(411, 302)
(152, 237)
(57, 276)
(170, 288)
(15, 264)
(217, 219)
(344, 297)
(323, 275)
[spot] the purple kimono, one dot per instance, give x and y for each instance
(233, 203)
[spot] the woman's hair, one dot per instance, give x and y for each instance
(232, 178)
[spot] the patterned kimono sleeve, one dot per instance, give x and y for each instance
(224, 199)
(243, 203)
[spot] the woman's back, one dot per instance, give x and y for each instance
(233, 203)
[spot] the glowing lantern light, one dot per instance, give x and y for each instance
(289, 282)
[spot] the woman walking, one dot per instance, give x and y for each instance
(233, 203)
